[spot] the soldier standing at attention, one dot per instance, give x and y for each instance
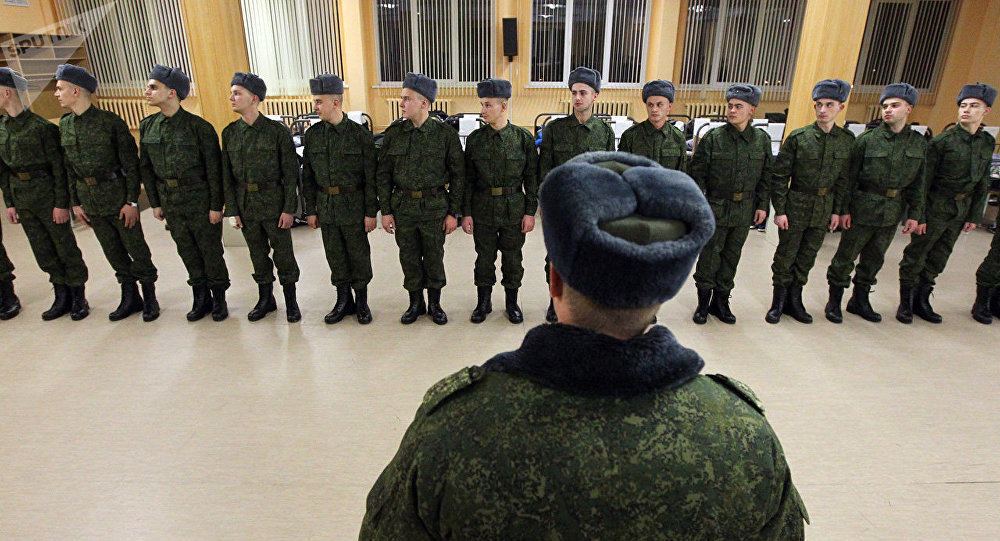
(102, 164)
(540, 442)
(421, 177)
(338, 183)
(656, 138)
(732, 165)
(809, 175)
(501, 197)
(958, 180)
(35, 191)
(260, 174)
(572, 135)
(886, 170)
(181, 168)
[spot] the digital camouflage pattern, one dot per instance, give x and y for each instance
(666, 146)
(6, 267)
(342, 157)
(181, 168)
(726, 162)
(33, 181)
(988, 273)
(565, 137)
(494, 160)
(815, 162)
(421, 160)
(958, 177)
(529, 449)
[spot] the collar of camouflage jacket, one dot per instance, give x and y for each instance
(584, 362)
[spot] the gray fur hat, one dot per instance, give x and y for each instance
(832, 89)
(78, 76)
(658, 87)
(254, 84)
(13, 79)
(493, 88)
(326, 84)
(587, 76)
(902, 91)
(172, 77)
(979, 91)
(745, 92)
(421, 84)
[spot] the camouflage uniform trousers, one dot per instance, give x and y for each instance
(925, 257)
(509, 240)
(716, 268)
(988, 273)
(54, 246)
(348, 254)
(796, 254)
(868, 241)
(421, 253)
(125, 248)
(261, 237)
(6, 267)
(199, 243)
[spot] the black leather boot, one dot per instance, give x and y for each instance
(484, 305)
(150, 307)
(265, 302)
(220, 310)
(922, 304)
(794, 307)
(10, 305)
(550, 313)
(131, 302)
(859, 305)
(61, 304)
(701, 312)
(995, 302)
(773, 315)
(80, 308)
(832, 310)
(416, 309)
(201, 305)
(904, 314)
(514, 314)
(981, 308)
(292, 313)
(343, 307)
(434, 307)
(719, 307)
(361, 306)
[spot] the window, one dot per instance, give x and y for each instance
(128, 38)
(741, 41)
(905, 40)
(570, 33)
(292, 41)
(449, 41)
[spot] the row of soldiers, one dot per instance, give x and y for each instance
(426, 187)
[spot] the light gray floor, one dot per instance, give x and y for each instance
(268, 430)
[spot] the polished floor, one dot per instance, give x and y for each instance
(270, 430)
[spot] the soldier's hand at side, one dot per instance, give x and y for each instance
(60, 216)
(129, 214)
(845, 221)
(450, 224)
(389, 224)
(238, 224)
(214, 216)
(759, 217)
(781, 221)
(12, 215)
(158, 213)
(369, 224)
(834, 222)
(527, 224)
(467, 225)
(910, 226)
(313, 221)
(921, 229)
(81, 215)
(969, 226)
(286, 220)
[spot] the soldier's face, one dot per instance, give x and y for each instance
(411, 103)
(583, 97)
(66, 94)
(827, 110)
(491, 109)
(739, 111)
(5, 93)
(240, 98)
(156, 92)
(658, 107)
(325, 105)
(895, 111)
(972, 111)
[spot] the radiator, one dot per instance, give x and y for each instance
(695, 110)
(611, 108)
(292, 106)
(438, 105)
(132, 110)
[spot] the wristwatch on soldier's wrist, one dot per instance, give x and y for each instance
(133, 204)
(456, 216)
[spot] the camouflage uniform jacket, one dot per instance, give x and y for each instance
(260, 170)
(883, 160)
(504, 158)
(665, 146)
(728, 161)
(564, 138)
(180, 163)
(29, 143)
(579, 435)
(97, 143)
(339, 156)
(812, 160)
(420, 160)
(958, 175)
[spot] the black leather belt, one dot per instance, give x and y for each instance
(884, 192)
(809, 191)
(96, 179)
(178, 182)
(419, 194)
(730, 196)
(28, 174)
(957, 196)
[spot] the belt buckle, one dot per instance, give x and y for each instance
(822, 191)
(90, 181)
(417, 195)
(738, 197)
(334, 190)
(24, 176)
(891, 192)
(252, 188)
(496, 191)
(961, 196)
(171, 182)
